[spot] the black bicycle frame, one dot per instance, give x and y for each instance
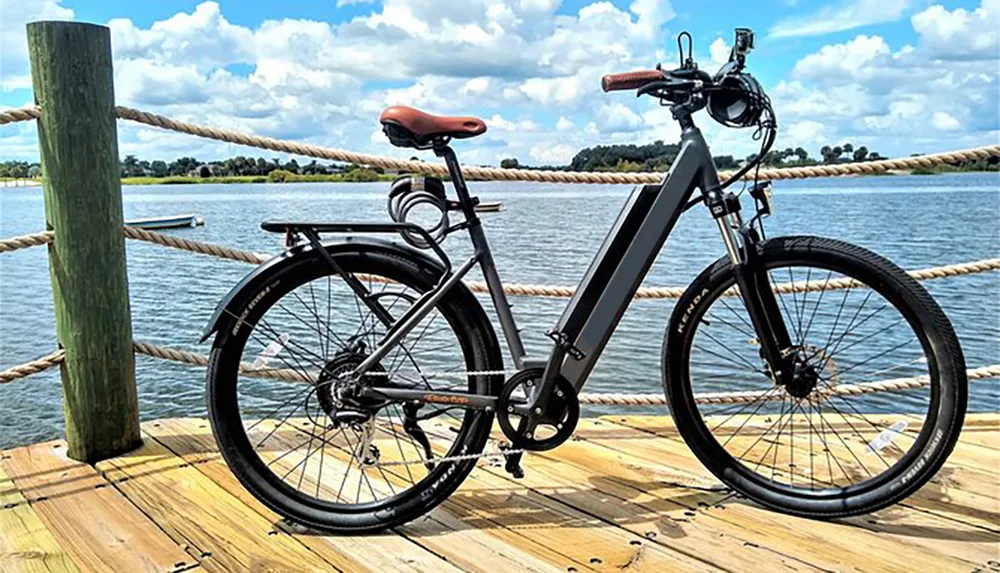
(607, 288)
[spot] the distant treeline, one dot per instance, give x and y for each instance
(658, 156)
(238, 166)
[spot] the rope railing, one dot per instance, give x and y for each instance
(497, 174)
(26, 241)
(33, 367)
(601, 398)
(513, 289)
(211, 249)
(488, 173)
(556, 291)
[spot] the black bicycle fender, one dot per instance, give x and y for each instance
(250, 284)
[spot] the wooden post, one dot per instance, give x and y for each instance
(77, 135)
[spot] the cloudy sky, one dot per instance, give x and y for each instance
(899, 76)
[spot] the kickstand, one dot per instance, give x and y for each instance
(512, 463)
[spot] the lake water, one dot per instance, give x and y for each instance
(546, 234)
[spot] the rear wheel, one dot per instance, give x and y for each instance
(879, 393)
(282, 419)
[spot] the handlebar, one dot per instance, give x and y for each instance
(630, 80)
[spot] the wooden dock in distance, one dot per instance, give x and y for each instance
(625, 495)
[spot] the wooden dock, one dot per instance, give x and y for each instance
(626, 495)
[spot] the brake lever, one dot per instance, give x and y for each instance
(665, 85)
(692, 74)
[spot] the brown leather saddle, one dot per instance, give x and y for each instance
(409, 127)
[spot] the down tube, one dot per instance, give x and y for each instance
(625, 257)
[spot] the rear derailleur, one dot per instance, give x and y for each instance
(338, 396)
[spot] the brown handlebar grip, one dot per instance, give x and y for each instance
(629, 80)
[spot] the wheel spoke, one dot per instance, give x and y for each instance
(773, 434)
(307, 337)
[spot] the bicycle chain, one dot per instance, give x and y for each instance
(460, 374)
(458, 458)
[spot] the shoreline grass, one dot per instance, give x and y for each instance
(366, 176)
(349, 177)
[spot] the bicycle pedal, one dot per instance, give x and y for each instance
(512, 463)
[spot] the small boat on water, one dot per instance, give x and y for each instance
(171, 222)
(490, 207)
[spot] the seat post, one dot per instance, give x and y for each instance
(458, 180)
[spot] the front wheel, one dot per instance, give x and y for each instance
(880, 384)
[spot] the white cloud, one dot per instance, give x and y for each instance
(806, 133)
(15, 14)
(532, 72)
(959, 34)
(617, 117)
(944, 121)
(720, 51)
(564, 124)
(846, 15)
(497, 122)
(203, 38)
(845, 61)
(559, 154)
(940, 92)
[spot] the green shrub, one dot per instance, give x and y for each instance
(361, 175)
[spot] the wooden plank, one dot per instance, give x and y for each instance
(960, 491)
(491, 550)
(98, 527)
(977, 447)
(547, 529)
(26, 545)
(192, 440)
(442, 533)
(982, 430)
(510, 510)
(660, 520)
(208, 521)
(883, 536)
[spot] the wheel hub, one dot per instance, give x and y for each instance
(804, 379)
(336, 389)
(812, 367)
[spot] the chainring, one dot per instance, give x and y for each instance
(558, 418)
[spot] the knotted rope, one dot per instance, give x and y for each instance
(495, 174)
(26, 241)
(604, 398)
(556, 291)
(34, 367)
(15, 115)
(609, 398)
(195, 246)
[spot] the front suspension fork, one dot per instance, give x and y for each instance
(758, 298)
